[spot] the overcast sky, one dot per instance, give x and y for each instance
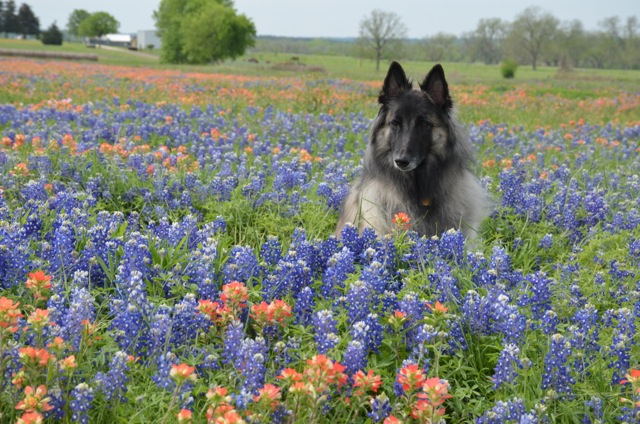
(341, 18)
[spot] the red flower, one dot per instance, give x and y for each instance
(235, 293)
(182, 373)
(9, 314)
(40, 284)
(366, 382)
(402, 221)
(34, 400)
(269, 395)
(34, 357)
(410, 377)
(184, 416)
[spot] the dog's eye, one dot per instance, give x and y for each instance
(396, 123)
(425, 124)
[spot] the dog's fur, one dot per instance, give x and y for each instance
(417, 161)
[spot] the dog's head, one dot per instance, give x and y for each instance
(411, 124)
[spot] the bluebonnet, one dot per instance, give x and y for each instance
(304, 306)
(339, 266)
(584, 336)
(511, 411)
(549, 322)
(424, 336)
(81, 308)
(506, 368)
(58, 401)
(500, 262)
(452, 246)
(546, 242)
(113, 383)
(250, 361)
(82, 397)
(62, 252)
(290, 276)
(241, 265)
(377, 275)
(162, 376)
(359, 299)
(130, 314)
(271, 251)
(160, 330)
(444, 283)
(380, 408)
(624, 333)
(540, 300)
(508, 320)
(369, 332)
(355, 357)
(557, 371)
(232, 342)
(325, 328)
(186, 321)
(595, 406)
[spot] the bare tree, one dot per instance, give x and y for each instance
(381, 33)
(442, 46)
(488, 38)
(532, 31)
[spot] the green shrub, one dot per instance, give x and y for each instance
(508, 68)
(52, 36)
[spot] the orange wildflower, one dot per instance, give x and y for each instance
(182, 373)
(30, 418)
(269, 395)
(34, 400)
(9, 314)
(410, 377)
(184, 416)
(40, 284)
(31, 356)
(235, 293)
(401, 220)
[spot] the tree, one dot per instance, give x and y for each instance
(10, 19)
(75, 19)
(202, 31)
(570, 48)
(487, 40)
(382, 33)
(52, 35)
(533, 31)
(98, 24)
(1, 16)
(29, 23)
(442, 46)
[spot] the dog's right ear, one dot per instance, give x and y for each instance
(395, 82)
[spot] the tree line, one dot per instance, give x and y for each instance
(205, 31)
(26, 24)
(534, 38)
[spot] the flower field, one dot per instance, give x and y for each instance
(167, 255)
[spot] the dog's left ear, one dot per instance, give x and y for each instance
(435, 85)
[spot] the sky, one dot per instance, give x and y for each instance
(341, 18)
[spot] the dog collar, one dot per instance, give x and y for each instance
(426, 202)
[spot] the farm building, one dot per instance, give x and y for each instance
(147, 38)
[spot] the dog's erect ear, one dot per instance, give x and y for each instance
(395, 82)
(435, 85)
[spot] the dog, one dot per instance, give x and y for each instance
(417, 161)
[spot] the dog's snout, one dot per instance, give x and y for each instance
(402, 163)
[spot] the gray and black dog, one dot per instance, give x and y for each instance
(418, 161)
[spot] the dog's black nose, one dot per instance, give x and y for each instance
(402, 163)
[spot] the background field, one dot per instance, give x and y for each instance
(185, 217)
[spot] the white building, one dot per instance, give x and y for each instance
(148, 38)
